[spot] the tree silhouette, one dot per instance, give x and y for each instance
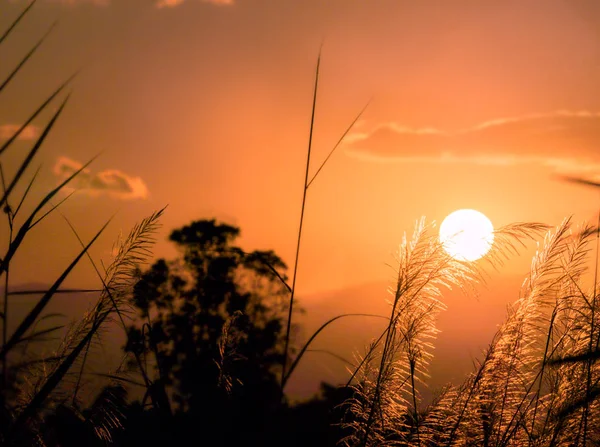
(212, 319)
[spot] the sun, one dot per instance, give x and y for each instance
(466, 235)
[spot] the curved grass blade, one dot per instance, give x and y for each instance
(580, 181)
(26, 58)
(310, 139)
(314, 335)
(39, 292)
(35, 336)
(12, 249)
(8, 142)
(32, 152)
(54, 207)
(24, 196)
(35, 312)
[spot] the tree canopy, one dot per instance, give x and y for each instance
(212, 320)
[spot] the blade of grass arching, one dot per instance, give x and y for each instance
(54, 207)
(35, 312)
(581, 181)
(24, 196)
(310, 139)
(26, 58)
(339, 142)
(569, 359)
(577, 404)
(16, 21)
(8, 142)
(35, 336)
(14, 245)
(314, 335)
(32, 152)
(59, 291)
(333, 354)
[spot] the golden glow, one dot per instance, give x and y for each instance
(466, 235)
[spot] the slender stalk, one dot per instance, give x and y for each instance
(414, 397)
(388, 340)
(5, 325)
(310, 138)
(5, 306)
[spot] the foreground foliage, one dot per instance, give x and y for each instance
(537, 383)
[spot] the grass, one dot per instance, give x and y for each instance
(537, 384)
(538, 381)
(33, 388)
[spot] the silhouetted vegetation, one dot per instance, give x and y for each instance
(208, 340)
(212, 321)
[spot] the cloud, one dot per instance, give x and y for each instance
(565, 140)
(112, 182)
(30, 132)
(78, 2)
(172, 3)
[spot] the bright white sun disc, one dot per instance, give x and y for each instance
(466, 235)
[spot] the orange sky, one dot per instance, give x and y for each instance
(205, 106)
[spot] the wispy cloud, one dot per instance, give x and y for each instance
(173, 3)
(78, 2)
(112, 182)
(29, 133)
(565, 140)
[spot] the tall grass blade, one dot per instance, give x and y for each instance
(26, 58)
(314, 335)
(34, 115)
(26, 193)
(32, 153)
(310, 139)
(14, 245)
(16, 21)
(41, 304)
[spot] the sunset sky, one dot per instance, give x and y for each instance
(205, 106)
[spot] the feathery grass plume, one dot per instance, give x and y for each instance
(516, 397)
(385, 409)
(54, 383)
(121, 276)
(516, 379)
